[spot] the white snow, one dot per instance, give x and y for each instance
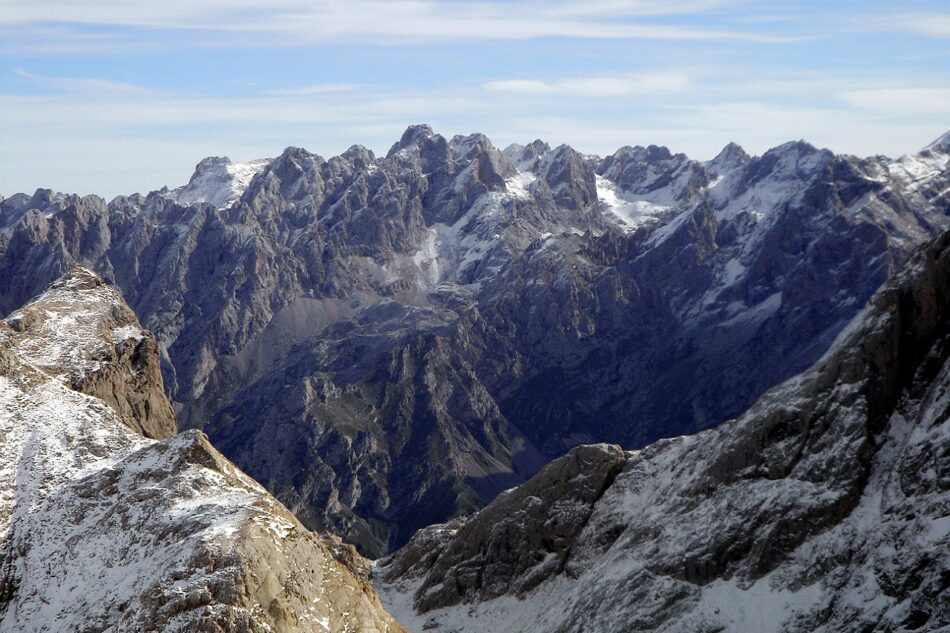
(426, 259)
(759, 608)
(918, 170)
(128, 332)
(781, 186)
(64, 335)
(448, 252)
(626, 209)
(218, 182)
(518, 185)
(732, 271)
(664, 232)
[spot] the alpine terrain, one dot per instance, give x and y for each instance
(109, 522)
(389, 342)
(825, 507)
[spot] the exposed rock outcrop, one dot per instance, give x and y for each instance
(102, 528)
(823, 508)
(521, 539)
(81, 331)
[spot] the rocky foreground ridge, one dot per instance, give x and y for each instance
(825, 507)
(386, 342)
(104, 529)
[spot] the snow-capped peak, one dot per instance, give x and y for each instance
(414, 136)
(218, 181)
(941, 145)
(919, 170)
(526, 157)
(731, 157)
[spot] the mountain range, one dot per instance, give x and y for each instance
(824, 507)
(386, 343)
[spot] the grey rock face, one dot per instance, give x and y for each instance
(822, 508)
(104, 529)
(389, 342)
(520, 540)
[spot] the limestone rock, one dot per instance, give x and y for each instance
(389, 342)
(102, 528)
(822, 508)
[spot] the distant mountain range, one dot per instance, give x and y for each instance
(389, 342)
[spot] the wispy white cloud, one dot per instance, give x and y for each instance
(620, 8)
(315, 89)
(68, 39)
(928, 24)
(384, 21)
(115, 117)
(902, 101)
(643, 83)
(86, 85)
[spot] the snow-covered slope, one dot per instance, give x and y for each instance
(921, 172)
(825, 507)
(104, 529)
(217, 181)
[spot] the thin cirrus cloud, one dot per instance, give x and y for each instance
(926, 24)
(284, 22)
(316, 89)
(644, 84)
(904, 100)
(73, 85)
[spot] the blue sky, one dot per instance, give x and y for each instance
(109, 97)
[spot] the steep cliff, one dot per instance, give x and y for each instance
(823, 508)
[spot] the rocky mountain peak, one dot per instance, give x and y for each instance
(654, 153)
(939, 145)
(44, 197)
(786, 163)
(78, 278)
(526, 157)
(217, 181)
(926, 171)
(517, 523)
(469, 146)
(359, 156)
(794, 152)
(211, 163)
(104, 529)
(570, 177)
(295, 155)
(729, 159)
(296, 175)
(491, 166)
(81, 331)
(414, 136)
